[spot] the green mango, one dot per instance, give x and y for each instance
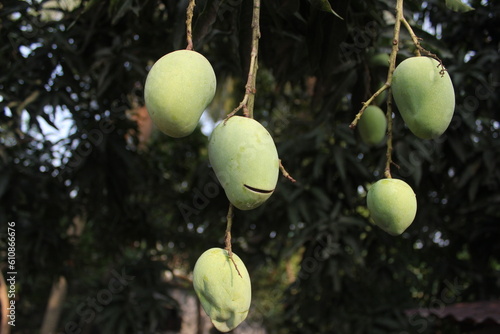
(424, 96)
(379, 59)
(178, 88)
(392, 205)
(245, 160)
(372, 126)
(224, 294)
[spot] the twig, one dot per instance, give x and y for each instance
(247, 103)
(189, 24)
(227, 236)
(285, 173)
(420, 49)
(388, 154)
(414, 37)
(390, 72)
(354, 123)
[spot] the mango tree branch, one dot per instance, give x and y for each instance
(420, 49)
(189, 24)
(390, 72)
(354, 123)
(247, 104)
(392, 63)
(414, 37)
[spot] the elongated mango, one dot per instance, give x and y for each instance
(392, 205)
(178, 88)
(372, 126)
(424, 95)
(245, 160)
(224, 294)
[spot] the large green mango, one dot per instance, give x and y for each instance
(224, 294)
(392, 205)
(372, 126)
(245, 160)
(424, 96)
(178, 88)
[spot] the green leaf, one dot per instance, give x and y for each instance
(458, 6)
(324, 6)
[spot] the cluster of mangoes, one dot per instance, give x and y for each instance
(243, 155)
(425, 98)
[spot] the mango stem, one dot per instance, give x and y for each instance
(189, 24)
(285, 173)
(388, 83)
(227, 237)
(247, 104)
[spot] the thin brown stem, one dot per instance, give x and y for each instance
(247, 104)
(420, 49)
(414, 37)
(392, 63)
(390, 72)
(388, 154)
(354, 123)
(227, 236)
(189, 24)
(285, 173)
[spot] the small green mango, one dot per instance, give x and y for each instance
(379, 59)
(392, 205)
(372, 126)
(245, 160)
(224, 294)
(178, 88)
(424, 96)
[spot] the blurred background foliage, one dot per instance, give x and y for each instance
(92, 189)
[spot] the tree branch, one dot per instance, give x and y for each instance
(354, 123)
(390, 72)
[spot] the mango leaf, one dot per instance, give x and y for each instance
(324, 6)
(458, 6)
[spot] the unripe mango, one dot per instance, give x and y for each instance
(178, 88)
(392, 205)
(372, 125)
(224, 294)
(424, 96)
(245, 160)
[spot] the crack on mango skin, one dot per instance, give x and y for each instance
(245, 160)
(257, 190)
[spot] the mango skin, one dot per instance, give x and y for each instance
(392, 205)
(178, 88)
(425, 99)
(372, 126)
(243, 154)
(224, 295)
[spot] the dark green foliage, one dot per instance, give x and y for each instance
(147, 212)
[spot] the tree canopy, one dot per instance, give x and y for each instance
(95, 195)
